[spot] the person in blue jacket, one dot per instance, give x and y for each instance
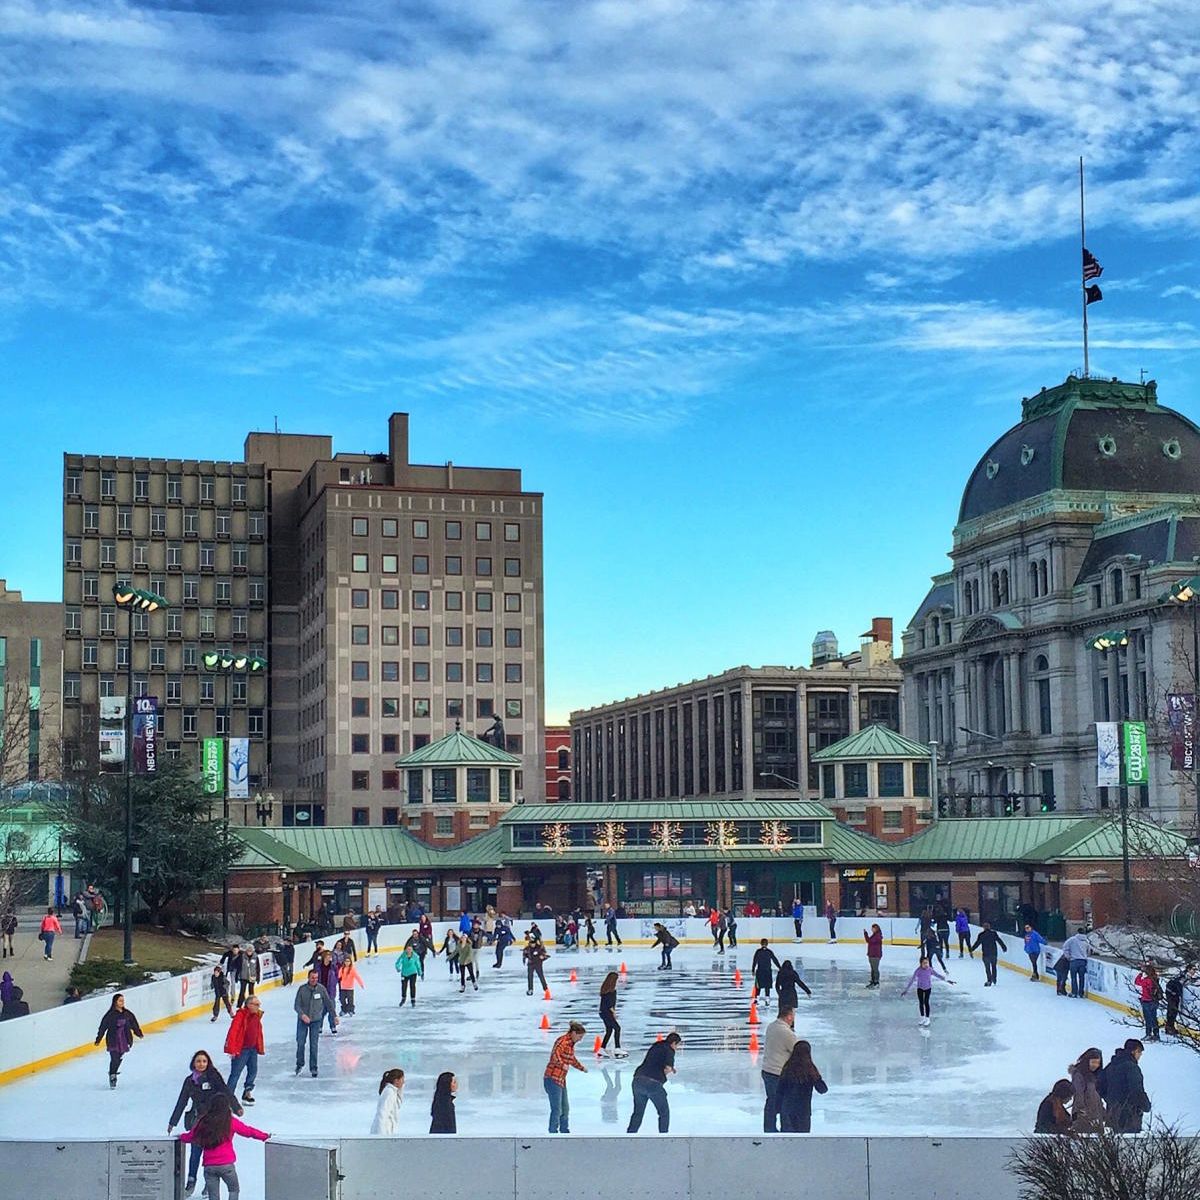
(798, 919)
(962, 926)
(464, 922)
(1033, 947)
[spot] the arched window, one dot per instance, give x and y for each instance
(995, 589)
(1117, 582)
(564, 789)
(935, 629)
(1034, 586)
(1044, 574)
(1004, 585)
(1041, 663)
(564, 759)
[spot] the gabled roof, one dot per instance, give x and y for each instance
(458, 749)
(360, 848)
(876, 741)
(674, 810)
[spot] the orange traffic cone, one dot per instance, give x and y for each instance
(754, 1041)
(754, 993)
(754, 1015)
(547, 996)
(574, 978)
(624, 969)
(545, 1022)
(596, 1047)
(737, 976)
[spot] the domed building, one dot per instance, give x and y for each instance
(1075, 524)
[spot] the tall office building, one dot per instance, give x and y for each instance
(30, 687)
(195, 533)
(392, 601)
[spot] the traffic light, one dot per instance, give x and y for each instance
(1049, 804)
(943, 807)
(1012, 805)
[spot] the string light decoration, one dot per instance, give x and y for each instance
(556, 838)
(666, 835)
(609, 837)
(774, 835)
(721, 834)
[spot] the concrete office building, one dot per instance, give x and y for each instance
(749, 733)
(404, 599)
(30, 687)
(195, 532)
(1077, 521)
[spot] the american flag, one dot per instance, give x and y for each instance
(1091, 268)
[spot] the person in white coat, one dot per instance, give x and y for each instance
(391, 1093)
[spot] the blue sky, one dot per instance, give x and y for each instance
(745, 288)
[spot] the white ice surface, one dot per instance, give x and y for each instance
(983, 1066)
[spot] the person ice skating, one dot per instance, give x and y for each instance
(441, 1111)
(371, 923)
(650, 1083)
(562, 1056)
(317, 954)
(665, 939)
(220, 987)
(778, 1042)
(391, 1094)
(1052, 1114)
(118, 1028)
(1077, 950)
(249, 975)
(504, 939)
(1150, 994)
(464, 922)
(874, 941)
(986, 944)
(797, 1082)
(244, 1044)
(312, 1003)
(8, 930)
(202, 1084)
(731, 928)
(831, 917)
(466, 964)
(608, 1015)
(1062, 968)
(1123, 1088)
(714, 923)
(214, 1132)
(49, 931)
(449, 948)
(409, 967)
(1033, 949)
(788, 986)
(941, 925)
(285, 956)
(923, 977)
(610, 927)
(962, 927)
(798, 920)
(761, 964)
(931, 948)
(534, 955)
(590, 929)
(348, 980)
(1087, 1109)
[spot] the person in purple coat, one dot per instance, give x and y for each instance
(923, 977)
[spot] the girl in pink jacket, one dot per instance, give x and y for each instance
(214, 1131)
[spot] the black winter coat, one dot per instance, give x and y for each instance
(764, 956)
(786, 983)
(108, 1028)
(196, 1097)
(442, 1115)
(1124, 1091)
(795, 1103)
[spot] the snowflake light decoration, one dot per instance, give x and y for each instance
(610, 837)
(556, 838)
(721, 834)
(774, 835)
(666, 835)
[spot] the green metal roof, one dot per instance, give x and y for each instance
(486, 850)
(340, 847)
(458, 749)
(674, 810)
(1007, 839)
(876, 741)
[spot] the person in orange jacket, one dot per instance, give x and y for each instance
(244, 1042)
(50, 928)
(348, 980)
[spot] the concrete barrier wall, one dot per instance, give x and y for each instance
(136, 1169)
(653, 1167)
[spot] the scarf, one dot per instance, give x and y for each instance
(197, 1076)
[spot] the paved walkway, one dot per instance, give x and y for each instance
(45, 983)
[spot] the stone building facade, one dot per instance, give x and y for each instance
(31, 707)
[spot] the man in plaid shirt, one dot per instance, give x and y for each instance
(555, 1080)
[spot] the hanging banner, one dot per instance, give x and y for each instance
(212, 766)
(239, 768)
(1135, 754)
(1181, 717)
(112, 731)
(1108, 754)
(145, 734)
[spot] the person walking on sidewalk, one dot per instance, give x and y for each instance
(201, 1085)
(8, 928)
(650, 1083)
(874, 941)
(49, 931)
(608, 1015)
(118, 1028)
(79, 910)
(986, 943)
(312, 1004)
(1033, 949)
(562, 1056)
(923, 977)
(534, 956)
(214, 1133)
(244, 1043)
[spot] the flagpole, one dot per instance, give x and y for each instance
(1082, 280)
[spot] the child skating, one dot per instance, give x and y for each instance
(923, 977)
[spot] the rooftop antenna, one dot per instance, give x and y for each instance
(277, 425)
(1141, 374)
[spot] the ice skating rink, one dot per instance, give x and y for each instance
(986, 1061)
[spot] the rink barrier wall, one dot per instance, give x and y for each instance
(652, 1167)
(95, 1169)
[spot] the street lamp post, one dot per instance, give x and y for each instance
(1102, 643)
(224, 664)
(1187, 591)
(132, 600)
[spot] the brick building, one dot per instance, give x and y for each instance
(558, 762)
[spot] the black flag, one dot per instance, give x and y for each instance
(1093, 294)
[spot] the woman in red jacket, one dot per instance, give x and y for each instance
(1150, 994)
(245, 1043)
(874, 941)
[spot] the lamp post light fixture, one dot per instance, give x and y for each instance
(1102, 643)
(133, 601)
(224, 663)
(1187, 591)
(264, 807)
